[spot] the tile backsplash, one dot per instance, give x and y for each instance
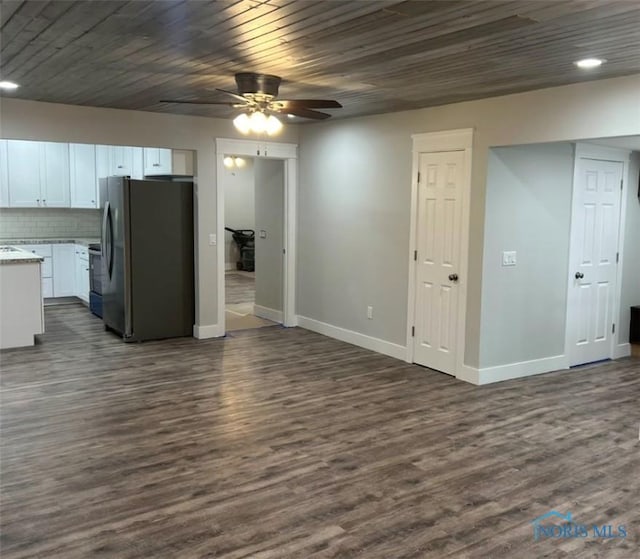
(49, 223)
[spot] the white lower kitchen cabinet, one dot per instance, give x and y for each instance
(64, 270)
(47, 266)
(82, 273)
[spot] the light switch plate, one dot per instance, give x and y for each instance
(263, 234)
(212, 239)
(509, 258)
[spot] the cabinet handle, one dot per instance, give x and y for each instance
(258, 152)
(156, 164)
(119, 166)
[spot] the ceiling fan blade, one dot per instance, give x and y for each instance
(239, 97)
(306, 113)
(309, 103)
(199, 102)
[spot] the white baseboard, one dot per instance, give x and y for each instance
(203, 332)
(269, 314)
(469, 374)
(352, 337)
(522, 369)
(622, 350)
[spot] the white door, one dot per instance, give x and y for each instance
(82, 163)
(593, 259)
(439, 222)
(55, 172)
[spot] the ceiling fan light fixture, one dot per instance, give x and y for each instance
(258, 122)
(274, 126)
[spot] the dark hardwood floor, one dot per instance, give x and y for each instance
(281, 443)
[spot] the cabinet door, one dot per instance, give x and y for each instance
(151, 160)
(157, 161)
(55, 186)
(137, 163)
(121, 160)
(64, 263)
(82, 274)
(103, 163)
(4, 175)
(82, 163)
(23, 173)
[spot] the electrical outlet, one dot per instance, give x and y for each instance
(370, 312)
(509, 258)
(212, 239)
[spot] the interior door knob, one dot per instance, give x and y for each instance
(453, 277)
(579, 275)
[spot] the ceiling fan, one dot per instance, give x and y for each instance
(258, 95)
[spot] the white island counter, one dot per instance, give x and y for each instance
(21, 310)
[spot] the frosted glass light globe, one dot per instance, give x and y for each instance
(242, 123)
(273, 125)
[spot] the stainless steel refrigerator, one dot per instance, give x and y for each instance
(147, 258)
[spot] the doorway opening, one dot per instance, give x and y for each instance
(256, 215)
(254, 240)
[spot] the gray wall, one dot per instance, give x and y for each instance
(528, 209)
(355, 181)
(239, 207)
(631, 250)
(269, 189)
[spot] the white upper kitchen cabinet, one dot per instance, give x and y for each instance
(157, 161)
(54, 186)
(83, 176)
(24, 173)
(64, 270)
(138, 163)
(126, 161)
(121, 160)
(4, 175)
(103, 166)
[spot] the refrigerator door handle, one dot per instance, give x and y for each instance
(107, 233)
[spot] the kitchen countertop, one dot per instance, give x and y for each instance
(14, 255)
(18, 242)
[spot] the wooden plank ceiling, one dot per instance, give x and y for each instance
(373, 56)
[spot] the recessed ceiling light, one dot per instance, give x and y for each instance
(8, 85)
(587, 63)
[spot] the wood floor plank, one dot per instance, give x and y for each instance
(276, 443)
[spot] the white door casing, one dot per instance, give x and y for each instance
(439, 248)
(274, 150)
(593, 259)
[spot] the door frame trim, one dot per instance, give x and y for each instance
(434, 142)
(617, 155)
(260, 149)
